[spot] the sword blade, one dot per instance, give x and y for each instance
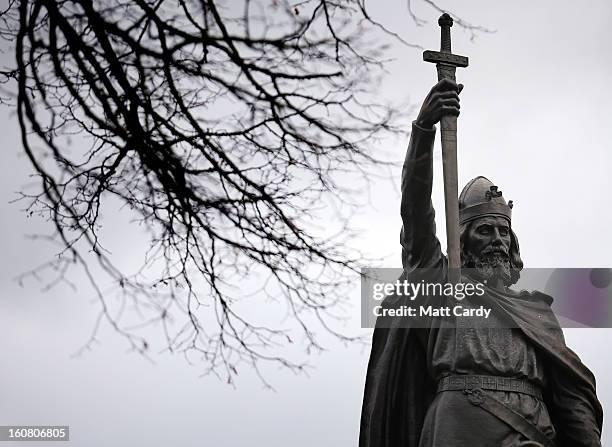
(448, 131)
(448, 126)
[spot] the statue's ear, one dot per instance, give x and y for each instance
(515, 252)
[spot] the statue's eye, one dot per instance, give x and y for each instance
(503, 231)
(484, 229)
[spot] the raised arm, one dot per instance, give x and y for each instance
(420, 246)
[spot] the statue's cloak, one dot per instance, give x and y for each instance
(398, 389)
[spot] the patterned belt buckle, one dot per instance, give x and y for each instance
(489, 383)
(472, 382)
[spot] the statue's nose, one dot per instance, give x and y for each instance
(496, 236)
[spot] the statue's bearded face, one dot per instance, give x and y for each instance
(488, 248)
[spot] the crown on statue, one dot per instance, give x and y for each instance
(479, 198)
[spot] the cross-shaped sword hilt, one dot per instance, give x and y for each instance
(445, 61)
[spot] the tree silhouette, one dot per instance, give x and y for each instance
(225, 127)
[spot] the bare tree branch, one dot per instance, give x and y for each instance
(226, 128)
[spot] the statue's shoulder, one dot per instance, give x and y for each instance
(532, 295)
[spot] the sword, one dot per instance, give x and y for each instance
(446, 63)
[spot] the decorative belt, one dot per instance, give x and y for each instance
(473, 386)
(462, 382)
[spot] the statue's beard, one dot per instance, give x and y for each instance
(490, 265)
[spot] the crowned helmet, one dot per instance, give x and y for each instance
(479, 198)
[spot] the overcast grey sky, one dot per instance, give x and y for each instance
(535, 120)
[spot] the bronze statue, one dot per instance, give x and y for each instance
(467, 386)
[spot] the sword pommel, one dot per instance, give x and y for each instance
(445, 21)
